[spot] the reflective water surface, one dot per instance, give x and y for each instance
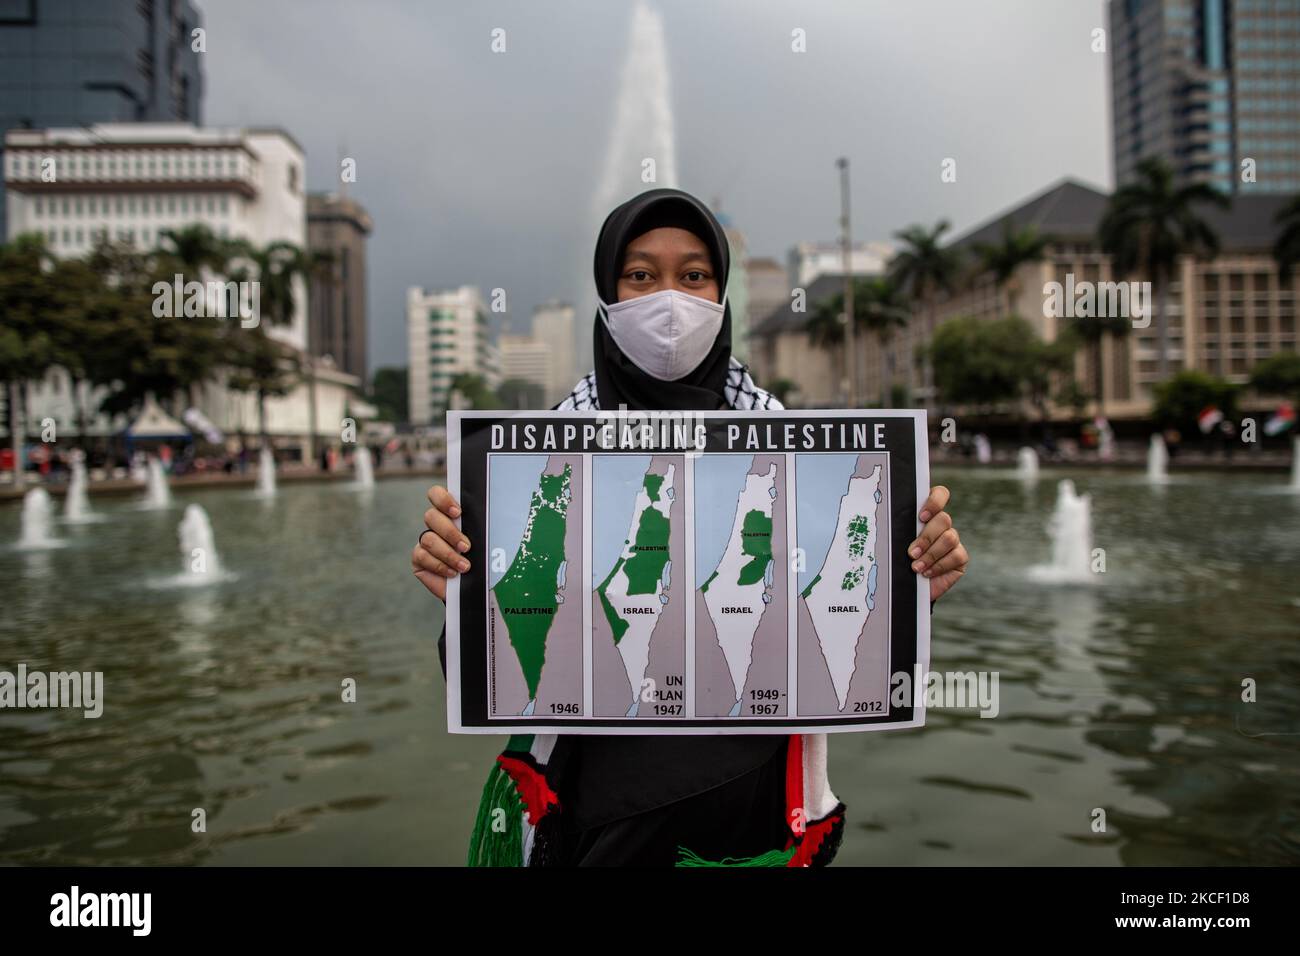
(1124, 695)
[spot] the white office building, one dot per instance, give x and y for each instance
(808, 260)
(447, 336)
(131, 181)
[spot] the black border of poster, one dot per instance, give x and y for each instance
(469, 442)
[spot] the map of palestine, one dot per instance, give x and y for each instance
(531, 622)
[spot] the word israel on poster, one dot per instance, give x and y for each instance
(687, 573)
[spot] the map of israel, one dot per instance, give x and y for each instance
(716, 572)
(636, 592)
(738, 595)
(841, 600)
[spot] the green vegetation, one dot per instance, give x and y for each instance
(1181, 398)
(526, 593)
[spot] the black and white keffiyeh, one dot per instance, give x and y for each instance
(740, 391)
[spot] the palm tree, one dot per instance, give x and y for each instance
(26, 348)
(879, 307)
(1149, 224)
(261, 366)
(1005, 258)
(195, 247)
(1091, 332)
(1287, 248)
(923, 269)
(314, 264)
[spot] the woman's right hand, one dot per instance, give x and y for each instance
(439, 555)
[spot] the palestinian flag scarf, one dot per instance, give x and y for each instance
(518, 815)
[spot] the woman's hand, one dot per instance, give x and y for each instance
(938, 553)
(438, 556)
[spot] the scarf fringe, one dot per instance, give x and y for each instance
(489, 847)
(686, 857)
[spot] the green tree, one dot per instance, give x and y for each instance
(260, 364)
(196, 248)
(1004, 259)
(518, 393)
(1278, 375)
(1148, 225)
(985, 363)
(140, 348)
(1091, 332)
(782, 389)
(474, 392)
(1182, 397)
(879, 308)
(924, 269)
(389, 391)
(27, 349)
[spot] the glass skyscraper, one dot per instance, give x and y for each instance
(1208, 85)
(80, 62)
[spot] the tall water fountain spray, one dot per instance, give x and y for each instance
(1157, 461)
(1027, 463)
(365, 468)
(157, 493)
(1070, 529)
(199, 561)
(76, 506)
(643, 127)
(266, 472)
(35, 530)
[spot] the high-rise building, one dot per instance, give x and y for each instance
(526, 359)
(338, 226)
(447, 336)
(808, 260)
(543, 356)
(131, 182)
(767, 289)
(78, 62)
(1208, 85)
(553, 324)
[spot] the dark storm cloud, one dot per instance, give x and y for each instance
(480, 168)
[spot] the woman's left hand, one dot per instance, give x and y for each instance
(938, 553)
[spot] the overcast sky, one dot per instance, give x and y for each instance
(482, 168)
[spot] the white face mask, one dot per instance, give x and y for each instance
(665, 334)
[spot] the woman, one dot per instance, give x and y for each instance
(662, 341)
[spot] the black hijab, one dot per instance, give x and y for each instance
(618, 380)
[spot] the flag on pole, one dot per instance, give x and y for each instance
(1209, 417)
(1282, 419)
